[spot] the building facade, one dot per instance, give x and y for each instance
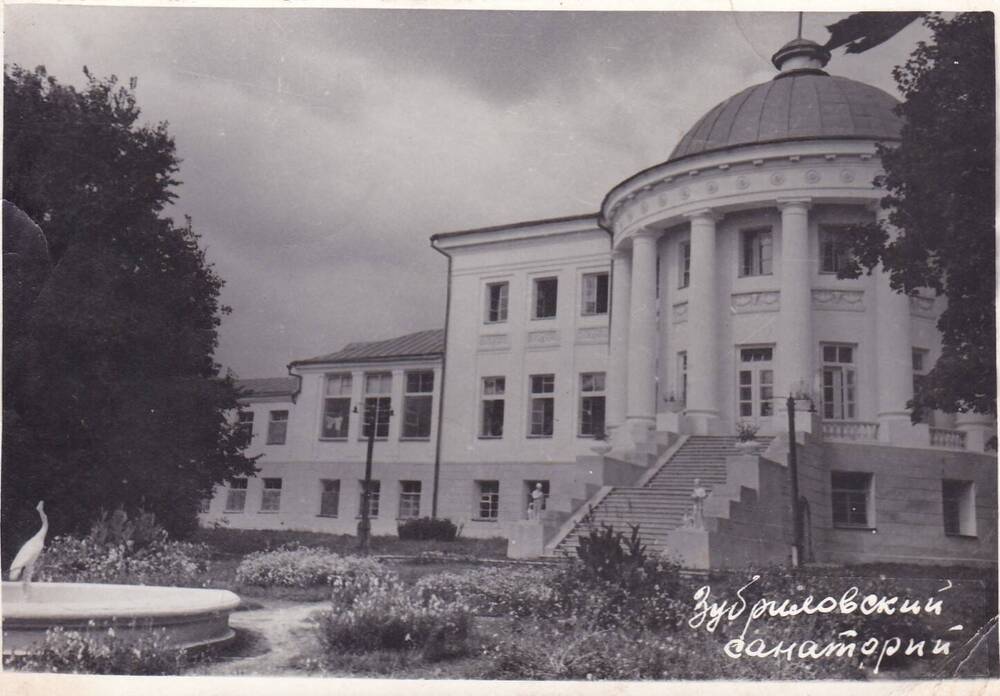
(610, 358)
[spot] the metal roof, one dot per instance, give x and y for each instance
(422, 343)
(798, 105)
(268, 386)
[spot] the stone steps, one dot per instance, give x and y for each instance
(659, 506)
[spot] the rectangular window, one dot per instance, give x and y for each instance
(489, 500)
(656, 275)
(337, 406)
(834, 253)
(204, 505)
(595, 294)
(755, 252)
(329, 498)
(684, 258)
(409, 499)
(270, 499)
(373, 498)
(838, 382)
(959, 500)
(546, 293)
(246, 423)
(377, 407)
(682, 374)
(236, 495)
(755, 388)
(592, 404)
(852, 493)
(684, 261)
(919, 357)
(497, 296)
(277, 428)
(542, 405)
(493, 404)
(417, 404)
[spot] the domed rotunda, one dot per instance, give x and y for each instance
(737, 239)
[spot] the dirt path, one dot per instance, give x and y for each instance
(289, 630)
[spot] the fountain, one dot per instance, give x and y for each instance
(189, 617)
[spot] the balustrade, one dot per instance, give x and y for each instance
(850, 430)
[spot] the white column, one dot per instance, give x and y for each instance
(703, 311)
(795, 348)
(641, 409)
(617, 384)
(893, 346)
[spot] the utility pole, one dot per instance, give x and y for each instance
(365, 525)
(793, 473)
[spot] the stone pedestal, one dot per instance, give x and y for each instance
(526, 540)
(902, 433)
(689, 547)
(978, 428)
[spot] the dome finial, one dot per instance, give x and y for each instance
(800, 54)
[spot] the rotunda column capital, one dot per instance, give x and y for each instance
(646, 233)
(792, 203)
(703, 214)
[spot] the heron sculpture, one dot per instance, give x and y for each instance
(24, 562)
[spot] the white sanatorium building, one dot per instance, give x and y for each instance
(701, 296)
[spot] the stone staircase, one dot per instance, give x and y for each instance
(660, 504)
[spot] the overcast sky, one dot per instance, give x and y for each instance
(322, 148)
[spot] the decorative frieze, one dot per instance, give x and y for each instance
(543, 339)
(494, 342)
(680, 312)
(685, 187)
(592, 334)
(839, 300)
(753, 302)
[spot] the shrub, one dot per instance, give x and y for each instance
(161, 562)
(118, 530)
(388, 617)
(82, 653)
(608, 555)
(299, 566)
(496, 591)
(427, 528)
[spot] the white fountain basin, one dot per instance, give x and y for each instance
(188, 617)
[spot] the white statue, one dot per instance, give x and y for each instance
(24, 562)
(537, 500)
(698, 496)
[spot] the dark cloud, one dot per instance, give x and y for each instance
(322, 148)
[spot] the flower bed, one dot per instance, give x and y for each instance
(299, 566)
(70, 559)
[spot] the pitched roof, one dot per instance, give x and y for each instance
(268, 386)
(422, 343)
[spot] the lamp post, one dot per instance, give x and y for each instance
(365, 526)
(793, 473)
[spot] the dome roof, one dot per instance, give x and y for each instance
(799, 104)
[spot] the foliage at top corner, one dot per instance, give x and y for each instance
(940, 196)
(111, 394)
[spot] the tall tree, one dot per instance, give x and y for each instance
(940, 183)
(111, 392)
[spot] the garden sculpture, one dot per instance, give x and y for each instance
(24, 562)
(698, 495)
(536, 502)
